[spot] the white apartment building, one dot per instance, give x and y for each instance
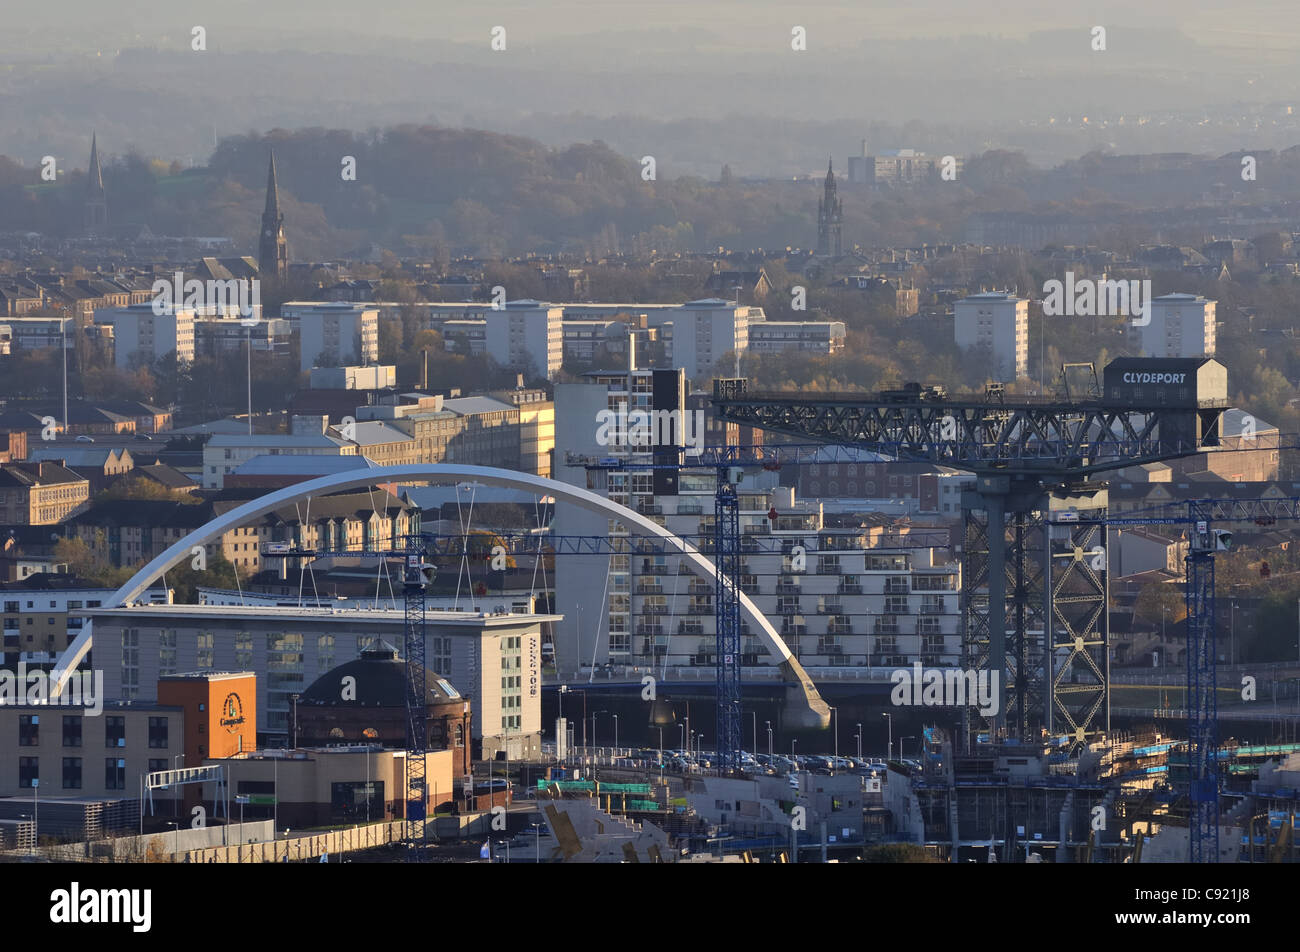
(1181, 325)
(526, 334)
(705, 331)
(334, 334)
(817, 337)
(39, 623)
(309, 436)
(850, 598)
(995, 323)
(143, 336)
(37, 333)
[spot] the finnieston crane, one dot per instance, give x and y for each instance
(1033, 457)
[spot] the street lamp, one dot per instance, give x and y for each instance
(769, 740)
(616, 734)
(835, 729)
(890, 752)
(858, 735)
(176, 827)
(793, 741)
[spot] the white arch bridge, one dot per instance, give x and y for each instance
(805, 707)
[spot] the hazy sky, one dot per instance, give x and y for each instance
(1187, 76)
(742, 24)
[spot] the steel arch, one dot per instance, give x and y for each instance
(808, 709)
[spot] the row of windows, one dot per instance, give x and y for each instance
(29, 772)
(29, 730)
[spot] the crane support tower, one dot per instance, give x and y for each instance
(1035, 555)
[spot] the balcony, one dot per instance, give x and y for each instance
(896, 586)
(649, 588)
(650, 509)
(649, 630)
(849, 588)
(830, 607)
(654, 609)
(935, 607)
(886, 626)
(789, 588)
(844, 627)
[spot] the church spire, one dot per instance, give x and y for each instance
(95, 187)
(272, 190)
(272, 249)
(96, 205)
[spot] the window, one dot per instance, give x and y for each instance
(29, 769)
(114, 773)
(158, 732)
(115, 731)
(205, 649)
(157, 763)
(71, 773)
(167, 651)
(72, 730)
(244, 650)
(29, 730)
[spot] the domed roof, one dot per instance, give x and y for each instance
(378, 680)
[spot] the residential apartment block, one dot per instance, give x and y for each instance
(334, 334)
(1181, 325)
(995, 324)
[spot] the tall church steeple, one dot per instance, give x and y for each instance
(273, 249)
(96, 205)
(830, 217)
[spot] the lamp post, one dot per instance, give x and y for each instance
(36, 813)
(769, 740)
(615, 735)
(1232, 634)
(835, 729)
(294, 698)
(176, 833)
(858, 735)
(890, 751)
